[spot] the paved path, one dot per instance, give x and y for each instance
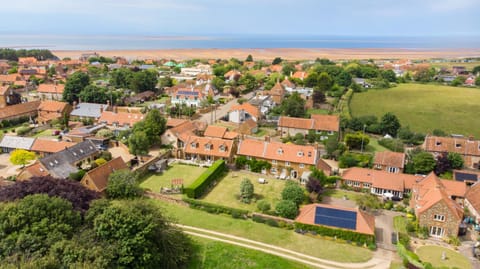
(222, 110)
(380, 260)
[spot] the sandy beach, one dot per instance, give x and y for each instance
(285, 53)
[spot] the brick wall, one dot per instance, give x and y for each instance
(450, 225)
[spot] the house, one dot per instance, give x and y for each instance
(467, 147)
(458, 70)
(23, 110)
(209, 149)
(334, 216)
(219, 132)
(277, 92)
(287, 160)
(434, 208)
(300, 75)
(26, 61)
(472, 201)
(97, 178)
(243, 112)
(50, 110)
(10, 143)
(50, 91)
(9, 79)
(34, 170)
(232, 75)
(470, 81)
(8, 96)
(44, 147)
(189, 96)
(119, 121)
(325, 125)
(248, 127)
(392, 162)
(67, 161)
(379, 182)
(84, 111)
(179, 135)
(81, 134)
(263, 102)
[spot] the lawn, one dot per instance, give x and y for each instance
(400, 224)
(188, 173)
(321, 248)
(373, 146)
(433, 255)
(337, 193)
(227, 190)
(46, 134)
(424, 107)
(214, 254)
(317, 111)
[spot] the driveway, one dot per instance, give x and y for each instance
(222, 110)
(7, 168)
(384, 228)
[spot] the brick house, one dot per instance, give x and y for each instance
(325, 125)
(467, 147)
(29, 109)
(220, 132)
(472, 200)
(392, 162)
(287, 160)
(277, 92)
(434, 208)
(97, 178)
(44, 147)
(209, 149)
(179, 135)
(50, 91)
(119, 121)
(52, 110)
(8, 96)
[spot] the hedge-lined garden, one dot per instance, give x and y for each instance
(216, 209)
(204, 181)
(360, 239)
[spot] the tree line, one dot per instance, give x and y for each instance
(13, 55)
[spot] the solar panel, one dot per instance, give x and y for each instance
(336, 218)
(465, 176)
(191, 93)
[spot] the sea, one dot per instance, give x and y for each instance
(132, 42)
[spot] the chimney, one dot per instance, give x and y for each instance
(101, 108)
(471, 138)
(267, 138)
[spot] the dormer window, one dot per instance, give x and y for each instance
(309, 154)
(280, 151)
(300, 154)
(438, 143)
(208, 146)
(223, 148)
(194, 145)
(458, 145)
(81, 150)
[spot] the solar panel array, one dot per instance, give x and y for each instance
(465, 176)
(189, 93)
(336, 218)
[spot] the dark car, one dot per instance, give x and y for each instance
(396, 198)
(394, 238)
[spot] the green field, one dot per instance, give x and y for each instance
(424, 107)
(321, 248)
(188, 173)
(227, 191)
(213, 254)
(433, 255)
(340, 194)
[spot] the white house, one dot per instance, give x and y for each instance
(243, 112)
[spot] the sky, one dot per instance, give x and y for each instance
(241, 17)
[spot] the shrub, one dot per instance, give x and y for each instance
(287, 209)
(23, 130)
(388, 205)
(77, 176)
(263, 206)
(272, 222)
(216, 209)
(203, 182)
(337, 233)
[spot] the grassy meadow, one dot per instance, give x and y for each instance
(424, 107)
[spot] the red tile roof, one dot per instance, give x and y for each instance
(316, 122)
(215, 131)
(50, 146)
(99, 176)
(365, 223)
(120, 118)
(249, 108)
(209, 146)
(381, 179)
(390, 158)
(51, 88)
(462, 146)
(473, 196)
(278, 151)
(19, 109)
(52, 106)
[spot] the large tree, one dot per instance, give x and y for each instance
(293, 192)
(455, 160)
(357, 140)
(120, 78)
(94, 94)
(246, 190)
(122, 184)
(145, 80)
(324, 82)
(21, 157)
(389, 124)
(74, 85)
(138, 143)
(423, 163)
(293, 106)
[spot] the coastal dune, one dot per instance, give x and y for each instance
(271, 53)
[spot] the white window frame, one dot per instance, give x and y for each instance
(274, 162)
(300, 154)
(436, 231)
(302, 165)
(287, 163)
(356, 184)
(439, 217)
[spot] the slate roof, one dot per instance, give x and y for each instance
(17, 142)
(62, 163)
(89, 110)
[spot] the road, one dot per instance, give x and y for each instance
(380, 260)
(222, 110)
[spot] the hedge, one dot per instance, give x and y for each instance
(203, 182)
(338, 233)
(272, 222)
(216, 209)
(408, 256)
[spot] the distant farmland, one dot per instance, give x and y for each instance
(424, 107)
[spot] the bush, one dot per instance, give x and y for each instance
(77, 176)
(388, 205)
(263, 206)
(272, 222)
(24, 130)
(203, 182)
(337, 233)
(287, 209)
(216, 209)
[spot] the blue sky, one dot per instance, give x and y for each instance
(241, 17)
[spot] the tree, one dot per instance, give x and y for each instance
(105, 133)
(154, 125)
(286, 209)
(74, 85)
(357, 141)
(442, 165)
(389, 124)
(263, 206)
(314, 185)
(344, 79)
(277, 60)
(94, 94)
(120, 78)
(368, 202)
(324, 82)
(249, 58)
(288, 69)
(476, 70)
(165, 82)
(249, 82)
(455, 160)
(21, 157)
(70, 190)
(246, 190)
(293, 106)
(477, 81)
(138, 143)
(318, 96)
(122, 184)
(293, 192)
(145, 80)
(423, 163)
(388, 75)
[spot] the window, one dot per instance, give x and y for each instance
(439, 217)
(356, 184)
(436, 231)
(309, 154)
(438, 143)
(300, 154)
(287, 163)
(208, 146)
(458, 145)
(330, 132)
(348, 182)
(392, 169)
(280, 151)
(222, 148)
(194, 145)
(178, 97)
(302, 165)
(249, 158)
(273, 170)
(274, 162)
(367, 185)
